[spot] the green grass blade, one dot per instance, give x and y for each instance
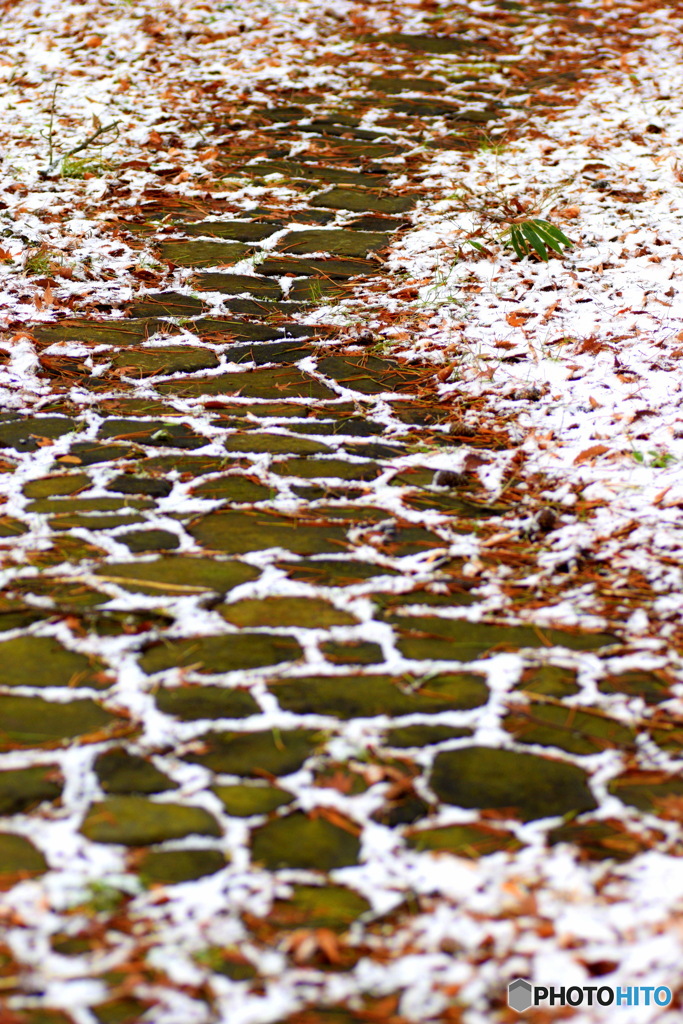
(535, 242)
(518, 243)
(547, 238)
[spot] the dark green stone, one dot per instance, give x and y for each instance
(270, 752)
(237, 284)
(550, 681)
(178, 574)
(434, 638)
(157, 433)
(57, 506)
(169, 867)
(317, 906)
(18, 859)
(356, 696)
(150, 540)
(190, 703)
(24, 433)
(524, 785)
(130, 484)
(58, 484)
(240, 532)
(299, 841)
(119, 773)
(470, 841)
(25, 788)
(353, 652)
(361, 202)
(135, 821)
(423, 735)
(170, 359)
(235, 230)
(245, 800)
(334, 241)
(278, 383)
(652, 792)
(98, 332)
(387, 84)
(31, 721)
(368, 374)
(166, 304)
(42, 661)
(580, 731)
(333, 175)
(89, 453)
(327, 469)
(601, 840)
(652, 687)
(220, 653)
(325, 268)
(276, 444)
(326, 572)
(306, 612)
(232, 488)
(430, 44)
(202, 254)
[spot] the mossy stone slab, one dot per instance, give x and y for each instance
(57, 506)
(56, 484)
(430, 44)
(18, 859)
(98, 332)
(268, 352)
(135, 821)
(128, 483)
(178, 574)
(240, 532)
(362, 202)
(276, 384)
(228, 962)
(64, 548)
(24, 434)
(212, 654)
(651, 686)
(279, 266)
(528, 786)
(10, 527)
(202, 254)
(65, 595)
(316, 906)
(350, 149)
(312, 172)
(31, 721)
(120, 773)
(368, 374)
(91, 521)
(42, 661)
(269, 752)
(276, 444)
(327, 572)
(423, 735)
(90, 453)
(122, 1010)
(601, 840)
(470, 841)
(315, 289)
(366, 696)
(300, 841)
(391, 84)
(327, 469)
(427, 637)
(157, 433)
(353, 652)
(579, 731)
(151, 362)
(306, 612)
(453, 598)
(17, 615)
(170, 867)
(150, 540)
(24, 788)
(186, 466)
(237, 284)
(245, 800)
(190, 703)
(235, 230)
(166, 304)
(436, 108)
(652, 792)
(232, 488)
(550, 681)
(334, 241)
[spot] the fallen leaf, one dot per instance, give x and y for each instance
(590, 453)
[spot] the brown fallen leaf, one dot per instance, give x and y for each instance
(590, 453)
(518, 318)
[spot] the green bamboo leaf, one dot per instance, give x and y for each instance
(518, 243)
(477, 245)
(547, 238)
(554, 232)
(535, 242)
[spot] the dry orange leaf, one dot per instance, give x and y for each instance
(518, 318)
(590, 453)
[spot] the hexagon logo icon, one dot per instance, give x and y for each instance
(519, 995)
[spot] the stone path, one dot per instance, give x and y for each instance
(243, 648)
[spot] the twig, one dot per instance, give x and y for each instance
(102, 130)
(49, 136)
